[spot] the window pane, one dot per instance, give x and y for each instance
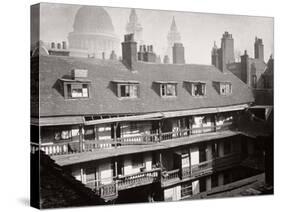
(133, 91)
(163, 90)
(76, 92)
(123, 90)
(171, 90)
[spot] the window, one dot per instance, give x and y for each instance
(78, 90)
(225, 88)
(168, 89)
(186, 189)
(202, 184)
(130, 91)
(198, 89)
(202, 154)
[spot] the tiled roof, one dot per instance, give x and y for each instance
(103, 99)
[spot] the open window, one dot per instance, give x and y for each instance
(77, 86)
(196, 88)
(127, 89)
(167, 88)
(223, 88)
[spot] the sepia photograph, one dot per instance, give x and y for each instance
(133, 105)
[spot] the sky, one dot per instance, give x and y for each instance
(198, 30)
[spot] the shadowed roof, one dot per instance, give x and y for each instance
(103, 99)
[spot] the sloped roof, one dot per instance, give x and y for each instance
(103, 99)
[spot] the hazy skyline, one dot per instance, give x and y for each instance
(198, 30)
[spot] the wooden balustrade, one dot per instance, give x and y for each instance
(91, 145)
(57, 149)
(138, 179)
(171, 175)
(108, 190)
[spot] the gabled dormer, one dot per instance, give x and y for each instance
(77, 86)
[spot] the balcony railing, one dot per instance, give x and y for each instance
(142, 178)
(203, 168)
(107, 191)
(145, 139)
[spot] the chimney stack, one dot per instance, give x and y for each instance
(245, 68)
(178, 54)
(129, 52)
(259, 49)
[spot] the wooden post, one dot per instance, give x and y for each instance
(160, 161)
(114, 133)
(80, 138)
(159, 130)
(115, 166)
(179, 127)
(215, 122)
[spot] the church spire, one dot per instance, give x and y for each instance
(173, 25)
(172, 37)
(133, 26)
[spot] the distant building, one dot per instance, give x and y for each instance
(257, 74)
(134, 27)
(172, 38)
(93, 33)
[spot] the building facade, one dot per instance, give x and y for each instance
(139, 131)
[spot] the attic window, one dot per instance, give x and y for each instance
(130, 91)
(77, 86)
(198, 89)
(127, 89)
(225, 88)
(167, 89)
(78, 90)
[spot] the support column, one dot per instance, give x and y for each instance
(114, 133)
(81, 138)
(208, 183)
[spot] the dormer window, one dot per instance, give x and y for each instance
(167, 89)
(80, 90)
(126, 89)
(196, 88)
(77, 86)
(224, 88)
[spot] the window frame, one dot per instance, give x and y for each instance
(203, 89)
(164, 89)
(225, 91)
(69, 87)
(131, 90)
